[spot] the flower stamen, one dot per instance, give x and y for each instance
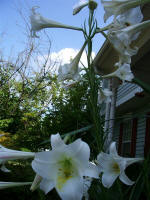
(65, 172)
(116, 168)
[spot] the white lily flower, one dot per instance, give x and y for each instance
(8, 154)
(104, 95)
(125, 52)
(81, 4)
(86, 184)
(129, 18)
(64, 167)
(117, 7)
(121, 40)
(128, 34)
(113, 166)
(71, 71)
(123, 72)
(38, 22)
(4, 185)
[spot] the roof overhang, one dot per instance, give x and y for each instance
(107, 55)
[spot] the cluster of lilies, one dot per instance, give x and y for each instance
(66, 167)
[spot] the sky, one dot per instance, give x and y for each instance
(13, 37)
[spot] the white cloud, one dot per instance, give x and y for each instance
(62, 57)
(65, 55)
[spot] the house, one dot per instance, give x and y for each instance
(132, 113)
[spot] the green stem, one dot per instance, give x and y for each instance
(144, 85)
(99, 30)
(93, 88)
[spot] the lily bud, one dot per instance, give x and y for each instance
(78, 7)
(92, 5)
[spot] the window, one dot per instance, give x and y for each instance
(126, 138)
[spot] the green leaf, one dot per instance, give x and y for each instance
(137, 188)
(70, 133)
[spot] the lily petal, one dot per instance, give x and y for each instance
(108, 179)
(125, 179)
(71, 71)
(131, 17)
(46, 185)
(45, 167)
(130, 161)
(73, 189)
(92, 171)
(105, 161)
(125, 52)
(112, 149)
(121, 163)
(78, 7)
(81, 151)
(56, 141)
(117, 7)
(128, 34)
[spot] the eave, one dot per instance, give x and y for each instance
(107, 56)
